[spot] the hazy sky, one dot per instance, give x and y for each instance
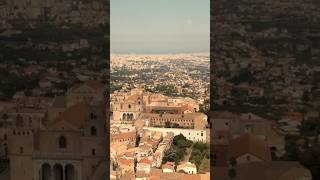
(160, 26)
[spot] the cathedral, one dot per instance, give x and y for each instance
(70, 143)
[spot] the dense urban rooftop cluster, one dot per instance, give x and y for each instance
(156, 136)
(173, 75)
(266, 62)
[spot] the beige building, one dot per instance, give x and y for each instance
(70, 145)
(187, 167)
(191, 134)
(189, 120)
(127, 106)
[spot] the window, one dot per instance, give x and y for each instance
(248, 158)
(93, 152)
(62, 142)
(93, 116)
(129, 106)
(21, 150)
(93, 131)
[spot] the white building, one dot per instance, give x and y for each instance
(187, 167)
(191, 134)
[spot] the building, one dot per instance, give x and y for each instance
(279, 170)
(249, 148)
(187, 167)
(168, 167)
(127, 106)
(189, 120)
(191, 134)
(145, 164)
(70, 144)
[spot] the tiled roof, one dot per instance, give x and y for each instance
(249, 143)
(186, 164)
(145, 161)
(76, 114)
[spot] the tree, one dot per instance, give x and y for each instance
(310, 158)
(182, 171)
(232, 173)
(167, 124)
(233, 162)
(175, 125)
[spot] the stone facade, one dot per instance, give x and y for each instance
(69, 146)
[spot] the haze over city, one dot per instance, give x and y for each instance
(153, 27)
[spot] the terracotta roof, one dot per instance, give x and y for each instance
(125, 161)
(152, 142)
(248, 143)
(145, 161)
(157, 153)
(186, 164)
(76, 114)
(273, 170)
(133, 98)
(145, 147)
(168, 165)
(126, 135)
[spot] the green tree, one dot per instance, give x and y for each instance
(232, 173)
(233, 162)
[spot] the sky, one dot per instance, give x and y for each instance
(159, 26)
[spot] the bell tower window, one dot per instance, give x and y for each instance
(62, 142)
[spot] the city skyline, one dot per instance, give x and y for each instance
(153, 27)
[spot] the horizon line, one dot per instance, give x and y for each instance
(178, 53)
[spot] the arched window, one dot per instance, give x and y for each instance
(62, 142)
(46, 172)
(58, 172)
(70, 172)
(129, 106)
(93, 152)
(93, 131)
